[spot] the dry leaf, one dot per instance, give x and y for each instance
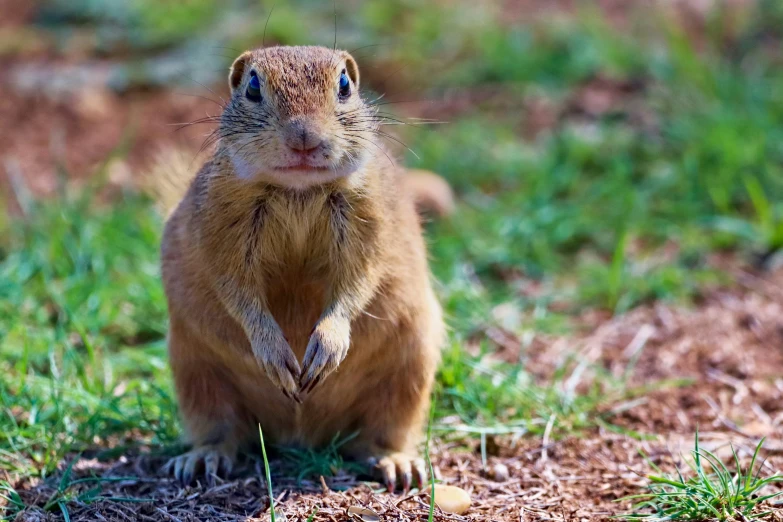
(364, 514)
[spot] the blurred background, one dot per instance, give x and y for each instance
(607, 156)
(569, 129)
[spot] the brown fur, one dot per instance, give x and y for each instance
(301, 304)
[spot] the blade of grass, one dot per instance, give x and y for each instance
(268, 474)
(428, 460)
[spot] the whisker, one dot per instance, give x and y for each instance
(334, 7)
(388, 120)
(396, 102)
(263, 37)
(226, 48)
(389, 136)
(207, 88)
(365, 47)
(377, 145)
(221, 105)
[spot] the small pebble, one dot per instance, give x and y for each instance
(451, 499)
(498, 472)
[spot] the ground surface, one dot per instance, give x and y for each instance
(728, 354)
(602, 275)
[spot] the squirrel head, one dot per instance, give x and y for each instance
(295, 117)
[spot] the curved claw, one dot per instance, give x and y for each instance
(278, 361)
(311, 385)
(326, 349)
(420, 471)
(212, 459)
(292, 396)
(211, 467)
(403, 467)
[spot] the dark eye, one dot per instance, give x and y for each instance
(253, 92)
(345, 85)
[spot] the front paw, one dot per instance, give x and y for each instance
(278, 361)
(327, 348)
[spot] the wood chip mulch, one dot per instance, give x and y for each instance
(728, 351)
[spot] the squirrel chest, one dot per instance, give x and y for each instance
(293, 244)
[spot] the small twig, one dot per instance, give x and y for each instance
(167, 514)
(545, 443)
(639, 340)
(739, 387)
(21, 193)
(726, 422)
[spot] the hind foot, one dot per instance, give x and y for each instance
(400, 466)
(211, 459)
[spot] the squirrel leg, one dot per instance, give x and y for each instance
(387, 443)
(211, 408)
(238, 282)
(395, 413)
(244, 301)
(353, 285)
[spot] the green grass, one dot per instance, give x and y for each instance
(267, 474)
(428, 460)
(13, 503)
(503, 397)
(82, 322)
(713, 492)
(321, 462)
(606, 211)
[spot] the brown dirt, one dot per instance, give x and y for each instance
(78, 133)
(16, 13)
(730, 351)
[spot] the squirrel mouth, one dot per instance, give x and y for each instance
(303, 166)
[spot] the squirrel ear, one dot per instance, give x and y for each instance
(352, 69)
(238, 70)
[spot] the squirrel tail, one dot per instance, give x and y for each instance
(432, 193)
(169, 177)
(173, 170)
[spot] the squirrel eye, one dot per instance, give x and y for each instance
(253, 92)
(345, 85)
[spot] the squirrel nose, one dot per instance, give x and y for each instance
(301, 139)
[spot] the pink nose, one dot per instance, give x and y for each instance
(300, 138)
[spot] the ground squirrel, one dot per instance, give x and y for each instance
(296, 275)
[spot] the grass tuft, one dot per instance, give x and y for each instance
(712, 493)
(320, 462)
(10, 502)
